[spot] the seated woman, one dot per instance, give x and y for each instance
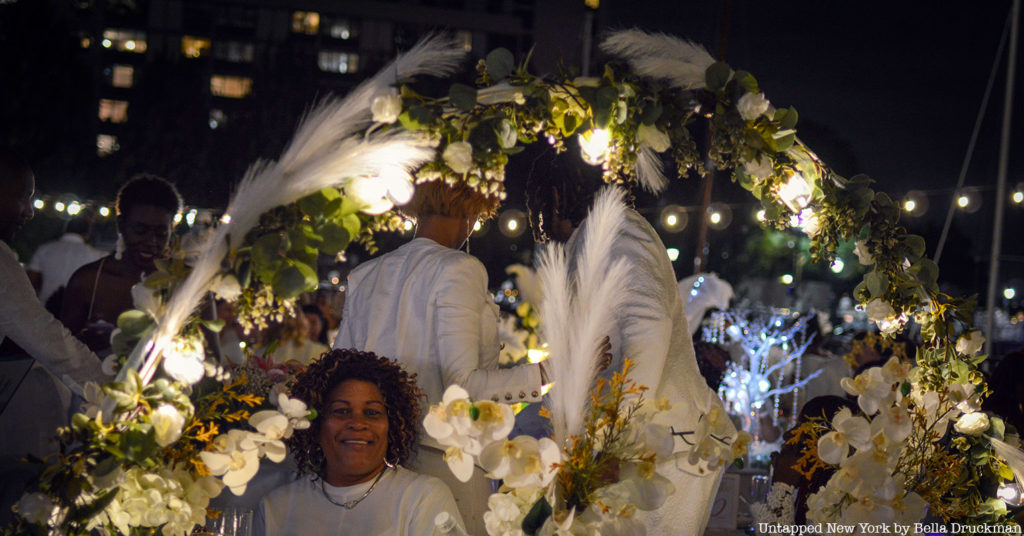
(351, 457)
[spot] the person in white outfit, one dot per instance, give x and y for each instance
(54, 262)
(41, 397)
(351, 458)
(426, 305)
(651, 330)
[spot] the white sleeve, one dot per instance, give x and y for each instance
(24, 319)
(460, 299)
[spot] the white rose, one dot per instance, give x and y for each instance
(970, 343)
(167, 422)
(752, 105)
(650, 136)
(227, 288)
(862, 253)
(36, 508)
(386, 106)
(879, 310)
(760, 168)
(507, 134)
(972, 423)
(459, 156)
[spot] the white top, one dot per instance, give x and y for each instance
(404, 503)
(58, 259)
(427, 306)
(28, 323)
(653, 334)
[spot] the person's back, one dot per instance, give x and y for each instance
(55, 261)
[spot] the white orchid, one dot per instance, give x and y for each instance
(863, 254)
(386, 106)
(883, 315)
(459, 156)
(834, 447)
(872, 389)
(235, 458)
(970, 343)
(167, 423)
(965, 397)
(752, 105)
(295, 410)
(466, 427)
(147, 300)
(891, 426)
(522, 462)
(650, 136)
(974, 424)
(507, 134)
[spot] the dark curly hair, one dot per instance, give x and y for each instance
(147, 189)
(401, 396)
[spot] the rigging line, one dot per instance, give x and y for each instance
(974, 138)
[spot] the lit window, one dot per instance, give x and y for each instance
(194, 47)
(338, 62)
(306, 22)
(125, 40)
(233, 87)
(114, 111)
(234, 51)
(465, 39)
(341, 29)
(122, 76)
(106, 144)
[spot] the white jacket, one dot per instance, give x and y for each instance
(427, 306)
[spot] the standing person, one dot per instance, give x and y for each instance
(426, 305)
(651, 329)
(41, 399)
(54, 262)
(100, 291)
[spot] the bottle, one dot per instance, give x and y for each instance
(445, 525)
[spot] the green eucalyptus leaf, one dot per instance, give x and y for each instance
(294, 279)
(133, 322)
(462, 96)
(915, 245)
(138, 445)
(244, 274)
(500, 63)
(352, 224)
(213, 325)
(651, 112)
(336, 238)
(269, 248)
(746, 81)
(535, 518)
(996, 428)
(717, 75)
(877, 283)
(313, 205)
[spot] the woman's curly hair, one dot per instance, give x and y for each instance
(401, 396)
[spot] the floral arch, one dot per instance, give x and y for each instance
(350, 162)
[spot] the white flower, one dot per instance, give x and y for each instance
(863, 254)
(274, 426)
(972, 423)
(872, 389)
(894, 370)
(965, 397)
(370, 193)
(760, 168)
(507, 134)
(295, 410)
(183, 361)
(513, 341)
(386, 106)
(398, 183)
(909, 508)
(894, 424)
(94, 397)
(227, 288)
(459, 156)
(236, 458)
(522, 462)
(970, 343)
(880, 312)
(167, 422)
(650, 136)
(37, 508)
(752, 105)
(459, 462)
(808, 222)
(834, 447)
(111, 364)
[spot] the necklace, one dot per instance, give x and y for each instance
(348, 505)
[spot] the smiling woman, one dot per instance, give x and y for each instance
(351, 457)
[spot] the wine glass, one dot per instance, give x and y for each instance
(232, 522)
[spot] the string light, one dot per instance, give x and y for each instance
(673, 254)
(837, 266)
(1009, 293)
(58, 206)
(787, 279)
(104, 211)
(39, 204)
(1018, 197)
(760, 215)
(963, 201)
(594, 145)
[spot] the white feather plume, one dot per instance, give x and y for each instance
(657, 55)
(650, 171)
(591, 298)
(1014, 457)
(325, 151)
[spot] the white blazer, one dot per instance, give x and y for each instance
(427, 306)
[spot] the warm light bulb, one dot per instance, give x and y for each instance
(673, 254)
(38, 204)
(760, 215)
(104, 211)
(963, 201)
(512, 224)
(477, 226)
(1018, 197)
(715, 218)
(407, 225)
(1009, 293)
(671, 220)
(106, 43)
(594, 145)
(74, 208)
(796, 192)
(786, 279)
(909, 205)
(58, 206)
(837, 266)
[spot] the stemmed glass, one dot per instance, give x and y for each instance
(232, 522)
